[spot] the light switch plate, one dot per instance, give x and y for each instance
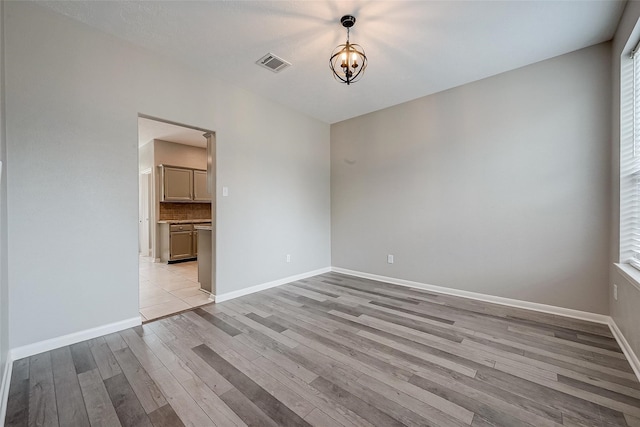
(225, 191)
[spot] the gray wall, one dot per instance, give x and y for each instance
(626, 310)
(500, 186)
(4, 306)
(73, 98)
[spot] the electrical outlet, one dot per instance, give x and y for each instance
(390, 259)
(288, 258)
(615, 292)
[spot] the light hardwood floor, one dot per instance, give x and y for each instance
(335, 350)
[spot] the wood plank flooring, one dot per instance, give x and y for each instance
(332, 351)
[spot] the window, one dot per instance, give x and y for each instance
(630, 161)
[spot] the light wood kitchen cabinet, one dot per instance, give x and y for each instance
(177, 184)
(179, 242)
(184, 185)
(181, 245)
(200, 193)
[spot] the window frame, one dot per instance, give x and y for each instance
(630, 158)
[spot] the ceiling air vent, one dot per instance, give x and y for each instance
(273, 63)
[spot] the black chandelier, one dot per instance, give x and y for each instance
(348, 60)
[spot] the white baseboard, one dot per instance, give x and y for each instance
(632, 358)
(263, 286)
(50, 344)
(4, 387)
(543, 308)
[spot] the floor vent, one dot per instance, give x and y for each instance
(273, 63)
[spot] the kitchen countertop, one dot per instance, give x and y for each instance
(203, 227)
(183, 221)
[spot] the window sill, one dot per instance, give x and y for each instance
(630, 273)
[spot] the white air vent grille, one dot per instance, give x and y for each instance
(273, 63)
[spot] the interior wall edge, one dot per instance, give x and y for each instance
(510, 302)
(631, 356)
(624, 309)
(73, 338)
(4, 387)
(5, 359)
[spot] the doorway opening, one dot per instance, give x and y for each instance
(176, 217)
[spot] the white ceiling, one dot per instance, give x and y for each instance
(415, 48)
(149, 129)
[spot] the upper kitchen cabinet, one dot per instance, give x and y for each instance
(200, 193)
(177, 184)
(184, 185)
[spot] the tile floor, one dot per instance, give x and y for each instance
(168, 288)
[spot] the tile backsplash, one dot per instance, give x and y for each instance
(184, 211)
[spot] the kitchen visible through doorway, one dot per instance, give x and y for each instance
(176, 166)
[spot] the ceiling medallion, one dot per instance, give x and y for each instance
(348, 60)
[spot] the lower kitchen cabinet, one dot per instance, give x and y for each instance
(177, 242)
(180, 245)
